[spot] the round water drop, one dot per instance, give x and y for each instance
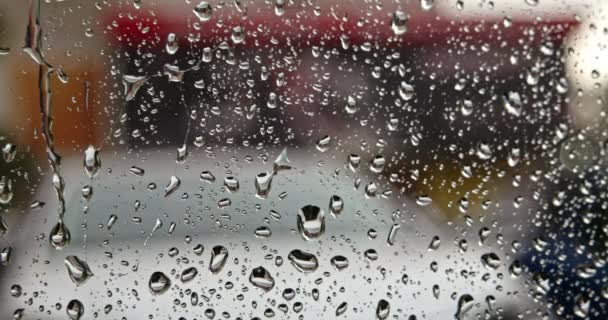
(59, 236)
(339, 262)
(336, 204)
(261, 278)
(383, 309)
(159, 283)
(74, 309)
(203, 11)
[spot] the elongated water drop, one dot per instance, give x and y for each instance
(339, 262)
(92, 161)
(59, 236)
(383, 309)
(263, 183)
(188, 274)
(173, 184)
(303, 261)
(78, 270)
(219, 255)
(203, 11)
(465, 303)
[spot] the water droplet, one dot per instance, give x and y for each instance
(336, 205)
(92, 162)
(111, 221)
(137, 171)
(219, 255)
(203, 11)
(6, 190)
(263, 184)
(261, 278)
(427, 5)
(16, 291)
(5, 256)
(354, 161)
(188, 274)
(383, 309)
(406, 91)
(207, 177)
(490, 260)
(238, 35)
(282, 162)
(78, 270)
(59, 236)
(392, 234)
(465, 303)
(172, 44)
(339, 262)
(311, 222)
(223, 203)
(351, 105)
(436, 291)
(377, 164)
(8, 152)
(512, 103)
(279, 7)
(435, 243)
(323, 143)
(159, 283)
(74, 309)
(303, 261)
(371, 190)
(132, 85)
(371, 254)
(399, 22)
(173, 184)
(263, 232)
(231, 183)
(532, 3)
(341, 309)
(423, 200)
(484, 152)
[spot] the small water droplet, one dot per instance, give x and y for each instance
(339, 262)
(59, 236)
(219, 255)
(311, 222)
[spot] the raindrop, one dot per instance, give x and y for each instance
(137, 171)
(92, 162)
(339, 262)
(159, 283)
(303, 261)
(341, 308)
(371, 254)
(399, 22)
(132, 85)
(6, 190)
(406, 91)
(78, 270)
(263, 232)
(465, 303)
(512, 103)
(423, 200)
(311, 222)
(490, 260)
(377, 164)
(174, 183)
(282, 162)
(219, 255)
(207, 177)
(323, 143)
(262, 184)
(74, 309)
(8, 152)
(383, 309)
(427, 5)
(336, 205)
(5, 256)
(261, 278)
(392, 233)
(172, 43)
(188, 274)
(203, 11)
(435, 242)
(59, 236)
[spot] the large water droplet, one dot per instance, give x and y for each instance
(172, 44)
(188, 274)
(261, 278)
(490, 260)
(59, 236)
(159, 283)
(341, 309)
(383, 309)
(303, 261)
(219, 255)
(8, 152)
(311, 222)
(74, 309)
(263, 183)
(173, 184)
(78, 270)
(92, 161)
(6, 190)
(465, 303)
(399, 22)
(203, 11)
(339, 262)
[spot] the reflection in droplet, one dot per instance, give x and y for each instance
(339, 262)
(465, 303)
(263, 183)
(188, 274)
(92, 161)
(203, 11)
(336, 205)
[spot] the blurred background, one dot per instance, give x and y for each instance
(488, 118)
